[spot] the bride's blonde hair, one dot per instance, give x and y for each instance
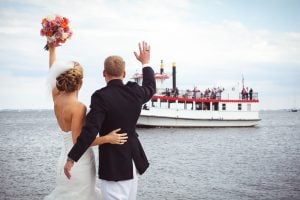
(70, 80)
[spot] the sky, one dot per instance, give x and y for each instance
(213, 42)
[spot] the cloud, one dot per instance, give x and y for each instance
(23, 92)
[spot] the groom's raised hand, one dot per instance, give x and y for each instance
(144, 54)
(67, 168)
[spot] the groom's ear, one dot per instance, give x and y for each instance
(104, 73)
(124, 74)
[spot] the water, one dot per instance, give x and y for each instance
(195, 163)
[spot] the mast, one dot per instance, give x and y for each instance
(161, 66)
(174, 75)
(243, 80)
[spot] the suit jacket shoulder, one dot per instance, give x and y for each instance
(132, 84)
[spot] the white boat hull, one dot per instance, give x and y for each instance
(196, 118)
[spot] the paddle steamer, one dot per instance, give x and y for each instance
(214, 107)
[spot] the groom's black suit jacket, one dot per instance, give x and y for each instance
(117, 106)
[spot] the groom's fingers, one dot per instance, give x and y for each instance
(140, 47)
(146, 46)
(135, 54)
(67, 169)
(67, 173)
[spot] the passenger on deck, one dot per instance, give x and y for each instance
(244, 93)
(176, 93)
(168, 93)
(250, 93)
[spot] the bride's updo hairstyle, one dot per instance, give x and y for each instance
(70, 80)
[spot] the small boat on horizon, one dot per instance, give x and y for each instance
(294, 110)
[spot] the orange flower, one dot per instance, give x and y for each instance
(64, 24)
(44, 21)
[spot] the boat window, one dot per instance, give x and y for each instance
(239, 106)
(223, 106)
(199, 106)
(206, 106)
(215, 106)
(249, 107)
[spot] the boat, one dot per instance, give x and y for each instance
(215, 107)
(294, 110)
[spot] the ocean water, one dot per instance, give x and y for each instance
(261, 162)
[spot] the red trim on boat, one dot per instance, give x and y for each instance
(182, 100)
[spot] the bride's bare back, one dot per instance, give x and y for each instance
(69, 112)
(66, 107)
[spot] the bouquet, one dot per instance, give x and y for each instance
(56, 29)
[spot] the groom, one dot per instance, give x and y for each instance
(115, 106)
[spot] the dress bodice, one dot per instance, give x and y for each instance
(67, 138)
(68, 144)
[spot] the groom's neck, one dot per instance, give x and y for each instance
(108, 79)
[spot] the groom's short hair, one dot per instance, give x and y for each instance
(114, 66)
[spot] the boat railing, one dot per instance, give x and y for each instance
(197, 94)
(190, 94)
(249, 96)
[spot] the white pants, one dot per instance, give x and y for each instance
(120, 190)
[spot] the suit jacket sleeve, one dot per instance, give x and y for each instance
(148, 87)
(90, 130)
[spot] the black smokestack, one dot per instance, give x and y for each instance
(174, 75)
(161, 67)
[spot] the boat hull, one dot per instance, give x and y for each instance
(179, 118)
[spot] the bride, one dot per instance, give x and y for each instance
(66, 81)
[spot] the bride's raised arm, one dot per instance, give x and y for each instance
(52, 58)
(52, 55)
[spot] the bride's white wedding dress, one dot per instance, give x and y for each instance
(82, 184)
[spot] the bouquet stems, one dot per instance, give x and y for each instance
(46, 47)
